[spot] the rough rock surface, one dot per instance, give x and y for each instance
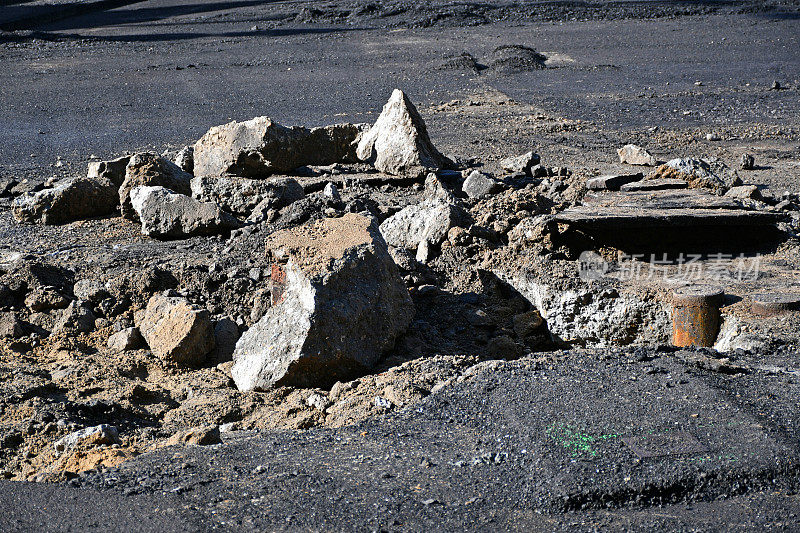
(102, 434)
(76, 318)
(185, 159)
(479, 185)
(398, 142)
(240, 196)
(522, 163)
(710, 174)
(427, 222)
(113, 170)
(127, 339)
(167, 215)
(635, 155)
(340, 304)
(70, 200)
(153, 170)
(260, 147)
(176, 330)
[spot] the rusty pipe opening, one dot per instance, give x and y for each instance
(696, 315)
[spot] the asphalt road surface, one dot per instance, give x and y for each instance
(604, 441)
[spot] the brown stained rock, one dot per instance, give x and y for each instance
(339, 305)
(398, 142)
(710, 174)
(176, 330)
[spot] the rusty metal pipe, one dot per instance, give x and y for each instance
(695, 315)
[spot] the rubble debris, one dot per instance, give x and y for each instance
(70, 200)
(421, 225)
(149, 169)
(522, 163)
(612, 182)
(175, 330)
(479, 185)
(260, 147)
(45, 298)
(167, 215)
(710, 174)
(341, 304)
(398, 142)
(241, 196)
(636, 155)
(113, 170)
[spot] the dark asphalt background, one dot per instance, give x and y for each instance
(506, 449)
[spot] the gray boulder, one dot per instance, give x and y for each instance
(175, 330)
(479, 185)
(148, 169)
(339, 305)
(522, 163)
(113, 170)
(421, 225)
(10, 326)
(166, 215)
(260, 147)
(70, 200)
(635, 155)
(398, 142)
(240, 196)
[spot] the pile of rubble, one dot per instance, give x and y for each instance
(361, 248)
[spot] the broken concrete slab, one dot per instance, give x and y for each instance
(643, 209)
(240, 196)
(175, 330)
(167, 215)
(612, 182)
(70, 200)
(427, 223)
(662, 184)
(398, 142)
(635, 155)
(149, 169)
(260, 147)
(339, 305)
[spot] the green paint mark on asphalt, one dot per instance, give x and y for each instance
(578, 442)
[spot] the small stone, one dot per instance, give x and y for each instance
(479, 185)
(744, 192)
(713, 137)
(747, 162)
(46, 298)
(92, 436)
(198, 436)
(184, 159)
(176, 330)
(331, 193)
(76, 318)
(522, 163)
(10, 326)
(635, 155)
(127, 339)
(113, 170)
